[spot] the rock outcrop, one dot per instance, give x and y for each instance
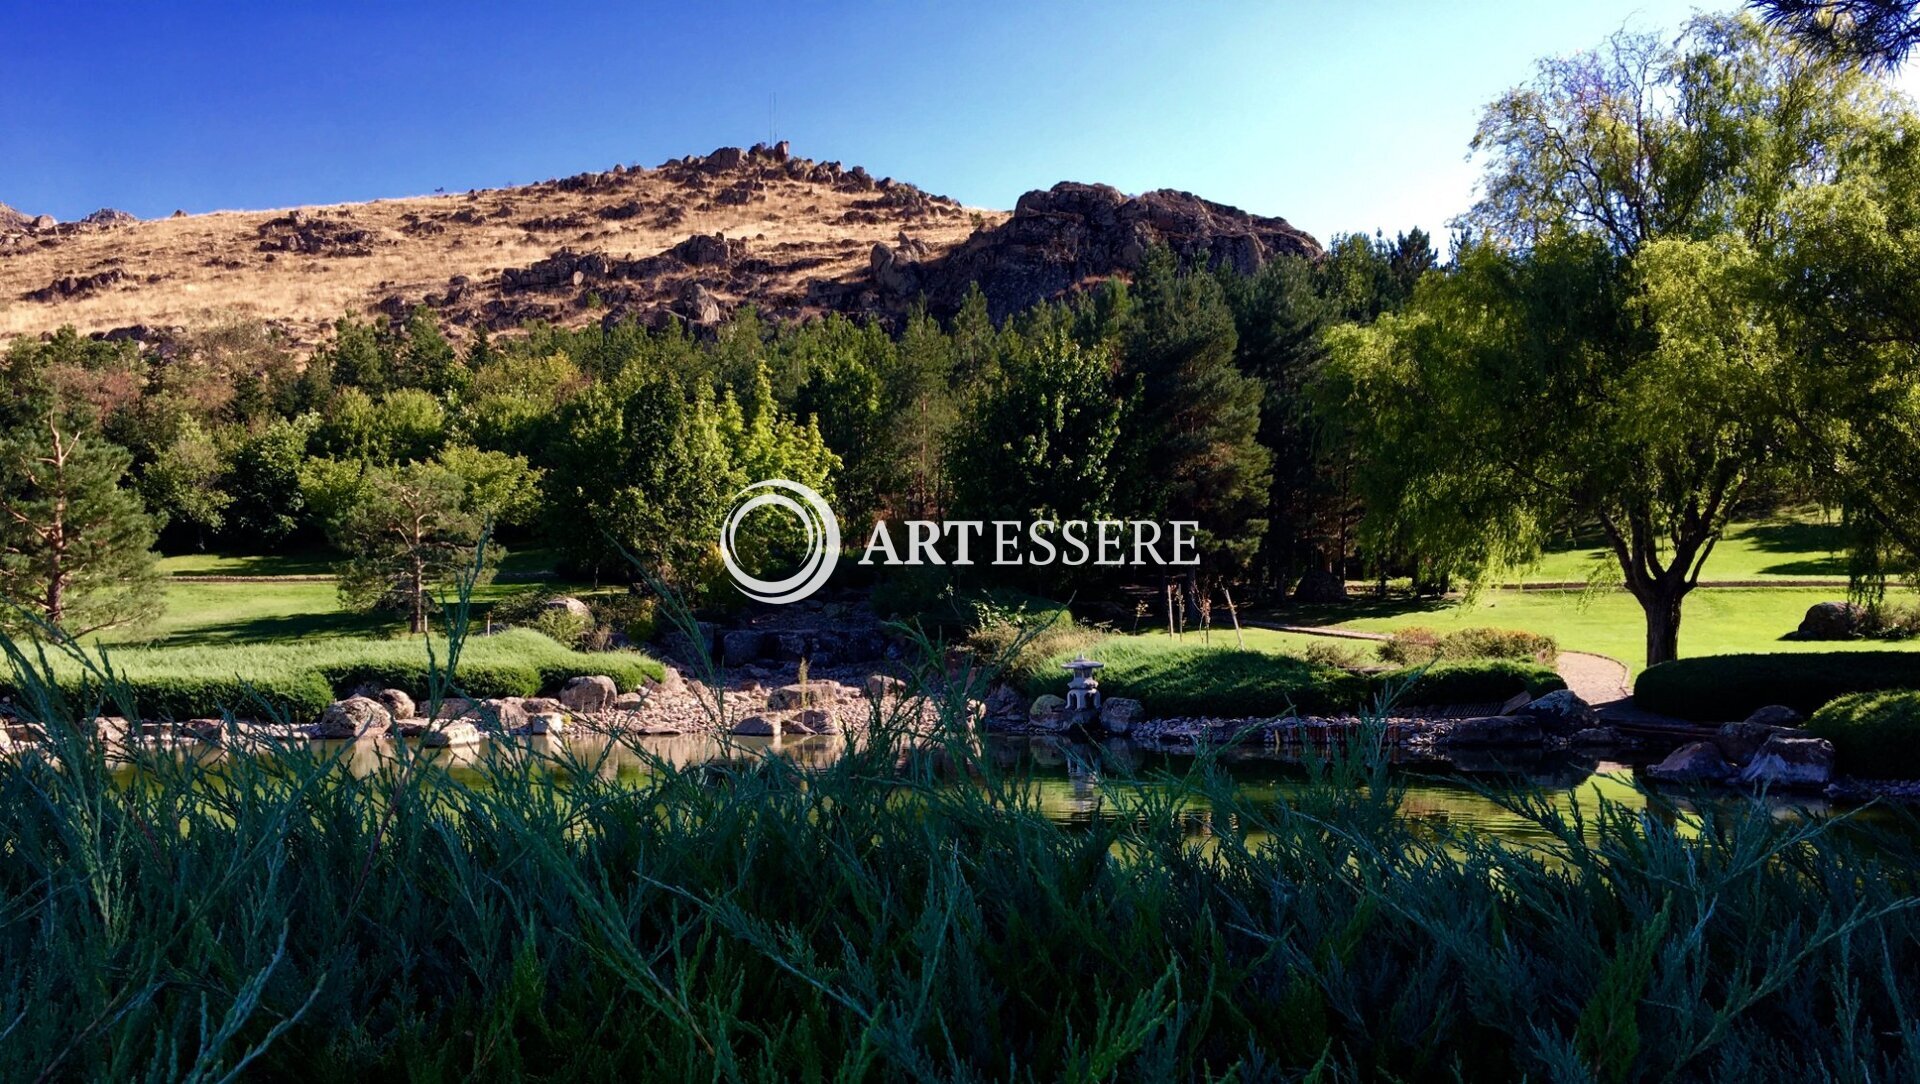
(1073, 233)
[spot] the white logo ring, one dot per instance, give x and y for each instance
(822, 534)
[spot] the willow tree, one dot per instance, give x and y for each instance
(1604, 351)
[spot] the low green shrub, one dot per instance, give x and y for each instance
(1717, 688)
(1411, 646)
(1469, 681)
(1173, 678)
(1873, 734)
(297, 681)
(563, 627)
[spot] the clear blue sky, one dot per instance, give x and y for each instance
(1338, 116)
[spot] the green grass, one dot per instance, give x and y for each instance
(1714, 622)
(1800, 544)
(269, 564)
(286, 611)
(299, 679)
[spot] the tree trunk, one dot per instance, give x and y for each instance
(418, 584)
(1661, 602)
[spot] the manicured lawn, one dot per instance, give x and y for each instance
(248, 564)
(1715, 622)
(1803, 544)
(201, 612)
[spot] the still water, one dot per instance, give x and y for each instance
(1073, 779)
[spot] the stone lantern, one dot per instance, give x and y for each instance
(1083, 691)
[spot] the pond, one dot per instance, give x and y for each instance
(1072, 778)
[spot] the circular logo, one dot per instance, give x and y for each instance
(822, 540)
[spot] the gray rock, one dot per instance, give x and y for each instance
(1738, 742)
(589, 695)
(1595, 735)
(743, 645)
(1560, 712)
(1694, 762)
(1791, 762)
(398, 704)
(505, 714)
(1831, 621)
(351, 718)
(1505, 730)
(813, 694)
(542, 723)
(815, 721)
(630, 702)
(757, 726)
(571, 605)
(1777, 715)
(884, 686)
(454, 707)
(1118, 714)
(451, 735)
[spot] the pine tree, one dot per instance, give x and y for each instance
(76, 549)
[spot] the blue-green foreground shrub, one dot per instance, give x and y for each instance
(1719, 688)
(1876, 735)
(907, 912)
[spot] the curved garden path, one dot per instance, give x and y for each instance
(1600, 680)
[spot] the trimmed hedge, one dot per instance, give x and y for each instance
(1873, 734)
(298, 681)
(1178, 679)
(1717, 688)
(1473, 681)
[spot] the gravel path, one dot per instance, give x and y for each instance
(1597, 679)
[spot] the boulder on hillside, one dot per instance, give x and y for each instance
(1831, 621)
(589, 695)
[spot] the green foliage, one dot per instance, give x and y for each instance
(1187, 679)
(1190, 446)
(263, 482)
(1421, 645)
(1037, 442)
(1716, 688)
(299, 680)
(1468, 681)
(562, 626)
(76, 549)
(1874, 734)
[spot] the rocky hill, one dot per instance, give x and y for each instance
(689, 239)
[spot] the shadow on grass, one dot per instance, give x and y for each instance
(280, 627)
(1817, 545)
(1316, 616)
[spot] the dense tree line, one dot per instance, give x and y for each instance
(1175, 396)
(1684, 290)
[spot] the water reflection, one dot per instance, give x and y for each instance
(1073, 781)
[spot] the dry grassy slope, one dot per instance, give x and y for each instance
(800, 221)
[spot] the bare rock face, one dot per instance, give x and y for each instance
(1070, 233)
(1118, 714)
(398, 704)
(12, 221)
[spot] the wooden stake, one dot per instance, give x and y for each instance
(1235, 614)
